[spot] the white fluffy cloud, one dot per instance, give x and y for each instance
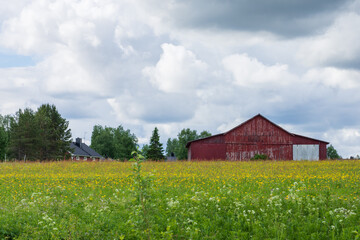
(178, 70)
(248, 71)
(334, 78)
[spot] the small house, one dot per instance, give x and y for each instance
(83, 152)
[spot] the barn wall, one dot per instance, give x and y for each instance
(305, 140)
(213, 139)
(322, 151)
(206, 151)
(236, 152)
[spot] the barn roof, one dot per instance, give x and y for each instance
(258, 115)
(297, 135)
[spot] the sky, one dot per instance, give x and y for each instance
(174, 64)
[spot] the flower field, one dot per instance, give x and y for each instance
(180, 200)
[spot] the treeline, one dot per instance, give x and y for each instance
(118, 143)
(39, 135)
(45, 135)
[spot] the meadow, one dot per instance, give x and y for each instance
(180, 200)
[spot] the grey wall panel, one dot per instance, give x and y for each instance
(305, 152)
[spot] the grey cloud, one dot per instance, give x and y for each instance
(353, 64)
(149, 106)
(285, 18)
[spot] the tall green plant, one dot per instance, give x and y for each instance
(142, 194)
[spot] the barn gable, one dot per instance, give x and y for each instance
(258, 135)
(258, 130)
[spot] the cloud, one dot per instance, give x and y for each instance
(289, 18)
(338, 45)
(334, 78)
(154, 107)
(249, 71)
(178, 70)
(143, 64)
(345, 140)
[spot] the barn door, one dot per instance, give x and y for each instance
(305, 152)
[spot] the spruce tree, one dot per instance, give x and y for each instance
(53, 136)
(156, 150)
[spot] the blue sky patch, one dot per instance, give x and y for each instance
(13, 60)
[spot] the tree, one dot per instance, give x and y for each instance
(41, 135)
(125, 143)
(4, 136)
(38, 135)
(116, 143)
(102, 141)
(23, 135)
(332, 153)
(145, 150)
(185, 136)
(54, 137)
(171, 146)
(3, 142)
(204, 134)
(156, 150)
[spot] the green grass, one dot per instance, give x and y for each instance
(182, 200)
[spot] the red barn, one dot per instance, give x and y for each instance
(257, 135)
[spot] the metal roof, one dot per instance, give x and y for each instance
(84, 150)
(258, 115)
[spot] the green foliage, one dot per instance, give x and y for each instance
(3, 142)
(171, 146)
(332, 153)
(259, 157)
(53, 137)
(4, 136)
(145, 150)
(41, 135)
(116, 143)
(204, 134)
(156, 150)
(178, 146)
(24, 135)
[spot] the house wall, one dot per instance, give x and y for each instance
(83, 158)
